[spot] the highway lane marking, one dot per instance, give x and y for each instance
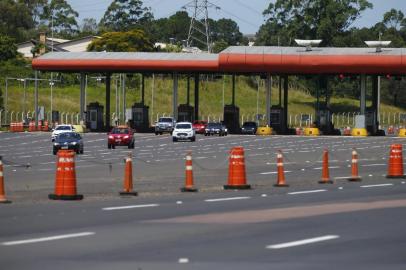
(330, 167)
(380, 185)
(371, 165)
(44, 239)
(342, 177)
(303, 242)
(183, 260)
(307, 191)
(274, 172)
(129, 207)
(227, 199)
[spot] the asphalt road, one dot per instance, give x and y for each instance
(306, 226)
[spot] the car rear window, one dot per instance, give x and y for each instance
(63, 128)
(183, 126)
(120, 131)
(69, 135)
(165, 120)
(214, 125)
(249, 124)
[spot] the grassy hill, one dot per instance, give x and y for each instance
(66, 99)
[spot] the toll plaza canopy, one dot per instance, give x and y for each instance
(235, 59)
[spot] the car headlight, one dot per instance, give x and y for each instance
(111, 137)
(56, 144)
(126, 137)
(74, 143)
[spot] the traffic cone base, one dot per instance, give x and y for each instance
(77, 197)
(326, 182)
(396, 176)
(132, 193)
(189, 189)
(228, 187)
(354, 179)
(281, 185)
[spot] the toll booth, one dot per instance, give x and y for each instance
(371, 121)
(185, 113)
(231, 118)
(140, 117)
(324, 121)
(277, 119)
(55, 116)
(94, 117)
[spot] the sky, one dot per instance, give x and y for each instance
(248, 14)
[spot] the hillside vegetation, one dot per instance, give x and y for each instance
(66, 98)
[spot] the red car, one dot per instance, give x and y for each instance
(121, 136)
(199, 126)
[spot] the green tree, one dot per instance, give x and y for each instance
(89, 27)
(8, 49)
(124, 15)
(219, 46)
(131, 41)
(310, 19)
(228, 31)
(15, 20)
(62, 17)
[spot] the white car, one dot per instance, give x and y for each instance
(183, 131)
(61, 129)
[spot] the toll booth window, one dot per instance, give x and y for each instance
(275, 119)
(93, 116)
(138, 116)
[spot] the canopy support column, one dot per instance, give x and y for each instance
(175, 96)
(268, 99)
(82, 96)
(108, 90)
(233, 91)
(197, 77)
(363, 94)
(285, 103)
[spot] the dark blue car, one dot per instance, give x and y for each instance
(68, 140)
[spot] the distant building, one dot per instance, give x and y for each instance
(55, 44)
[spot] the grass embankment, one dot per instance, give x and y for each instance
(66, 99)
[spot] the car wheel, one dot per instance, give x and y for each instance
(109, 146)
(55, 151)
(82, 151)
(113, 146)
(225, 134)
(174, 139)
(156, 133)
(193, 139)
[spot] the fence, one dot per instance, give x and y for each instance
(294, 120)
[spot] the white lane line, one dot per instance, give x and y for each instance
(372, 165)
(227, 199)
(129, 207)
(274, 172)
(341, 177)
(330, 167)
(303, 242)
(307, 191)
(44, 239)
(183, 260)
(380, 185)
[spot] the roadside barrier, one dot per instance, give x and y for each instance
(281, 173)
(325, 175)
(236, 170)
(128, 178)
(354, 167)
(31, 126)
(17, 127)
(395, 166)
(2, 190)
(65, 180)
(189, 187)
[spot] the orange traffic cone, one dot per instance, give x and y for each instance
(189, 175)
(281, 173)
(354, 167)
(325, 175)
(2, 191)
(236, 170)
(128, 178)
(395, 167)
(65, 180)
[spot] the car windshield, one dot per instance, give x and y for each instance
(69, 135)
(165, 120)
(199, 123)
(249, 124)
(63, 128)
(120, 131)
(183, 126)
(214, 125)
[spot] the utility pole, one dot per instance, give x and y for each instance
(199, 29)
